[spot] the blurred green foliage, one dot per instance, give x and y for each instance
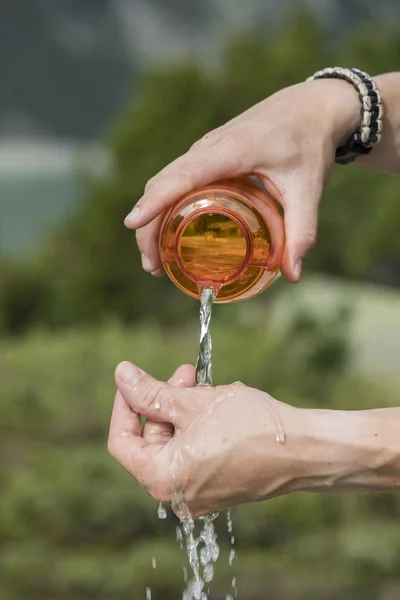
(73, 526)
(89, 269)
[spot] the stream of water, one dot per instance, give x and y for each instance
(201, 546)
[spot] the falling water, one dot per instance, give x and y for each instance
(204, 363)
(203, 549)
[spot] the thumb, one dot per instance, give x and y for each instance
(301, 222)
(158, 401)
(159, 433)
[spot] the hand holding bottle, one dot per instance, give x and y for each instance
(289, 140)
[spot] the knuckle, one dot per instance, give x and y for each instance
(161, 491)
(198, 144)
(185, 173)
(229, 146)
(310, 239)
(112, 447)
(150, 390)
(207, 139)
(151, 183)
(140, 235)
(143, 237)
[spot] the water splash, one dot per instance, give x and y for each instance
(179, 536)
(232, 554)
(229, 523)
(161, 512)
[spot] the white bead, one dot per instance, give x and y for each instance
(365, 133)
(366, 118)
(367, 104)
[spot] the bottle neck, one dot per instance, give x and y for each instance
(207, 277)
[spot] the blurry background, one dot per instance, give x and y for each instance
(95, 97)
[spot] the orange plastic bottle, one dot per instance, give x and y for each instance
(228, 236)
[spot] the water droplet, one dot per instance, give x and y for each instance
(214, 552)
(161, 512)
(208, 573)
(185, 574)
(179, 536)
(205, 556)
(280, 436)
(157, 404)
(229, 521)
(232, 556)
(228, 597)
(154, 563)
(148, 593)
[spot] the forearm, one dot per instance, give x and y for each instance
(349, 451)
(345, 104)
(386, 155)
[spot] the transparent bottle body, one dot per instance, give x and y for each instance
(228, 236)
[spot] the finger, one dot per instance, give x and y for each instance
(125, 442)
(124, 420)
(301, 222)
(159, 433)
(184, 376)
(156, 400)
(147, 238)
(274, 219)
(200, 166)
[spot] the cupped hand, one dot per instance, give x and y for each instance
(288, 141)
(214, 447)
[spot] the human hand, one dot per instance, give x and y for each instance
(214, 446)
(288, 140)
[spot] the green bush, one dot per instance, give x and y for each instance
(89, 269)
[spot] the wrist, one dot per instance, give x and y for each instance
(349, 451)
(326, 451)
(341, 108)
(314, 456)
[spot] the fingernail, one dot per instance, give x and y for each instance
(133, 215)
(297, 269)
(129, 374)
(158, 272)
(145, 263)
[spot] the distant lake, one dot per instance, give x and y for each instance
(31, 205)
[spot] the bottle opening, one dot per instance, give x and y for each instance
(213, 247)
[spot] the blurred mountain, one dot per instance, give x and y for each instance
(67, 65)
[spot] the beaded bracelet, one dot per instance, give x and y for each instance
(369, 131)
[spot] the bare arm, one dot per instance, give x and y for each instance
(385, 156)
(229, 449)
(351, 451)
